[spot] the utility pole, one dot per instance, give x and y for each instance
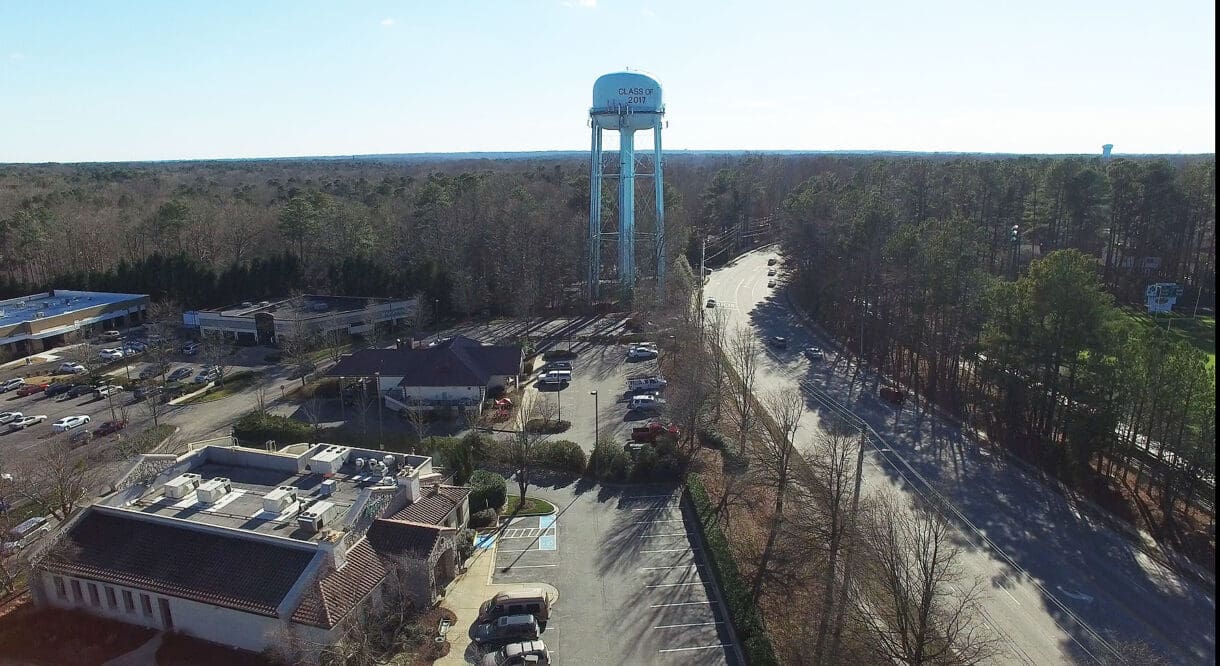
(702, 269)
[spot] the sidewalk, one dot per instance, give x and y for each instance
(467, 592)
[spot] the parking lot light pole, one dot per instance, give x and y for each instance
(596, 425)
(559, 398)
(380, 420)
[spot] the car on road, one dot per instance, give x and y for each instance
(778, 341)
(31, 389)
(527, 653)
(179, 374)
(771, 261)
(27, 421)
(770, 283)
(69, 422)
(111, 354)
(57, 388)
(9, 417)
(814, 353)
(11, 384)
(72, 369)
(110, 427)
(770, 272)
(640, 352)
(507, 629)
(711, 302)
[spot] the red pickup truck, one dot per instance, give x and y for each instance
(650, 432)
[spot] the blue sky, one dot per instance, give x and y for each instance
(93, 81)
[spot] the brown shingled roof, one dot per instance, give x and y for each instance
(249, 575)
(329, 599)
(433, 508)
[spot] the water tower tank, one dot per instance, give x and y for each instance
(629, 93)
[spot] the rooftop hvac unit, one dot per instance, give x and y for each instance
(329, 460)
(212, 490)
(317, 516)
(279, 499)
(388, 462)
(327, 488)
(359, 463)
(181, 485)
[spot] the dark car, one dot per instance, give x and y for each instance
(145, 392)
(152, 371)
(58, 388)
(110, 427)
(180, 373)
(79, 390)
(558, 365)
(779, 342)
(504, 630)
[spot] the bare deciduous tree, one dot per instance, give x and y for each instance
(716, 330)
(775, 460)
(58, 480)
(743, 354)
(526, 439)
(216, 352)
(929, 608)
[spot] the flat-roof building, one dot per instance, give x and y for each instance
(268, 322)
(236, 545)
(35, 323)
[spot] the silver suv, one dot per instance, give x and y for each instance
(528, 653)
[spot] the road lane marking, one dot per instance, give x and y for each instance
(532, 566)
(690, 624)
(1010, 596)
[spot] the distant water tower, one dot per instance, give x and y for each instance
(1105, 151)
(625, 102)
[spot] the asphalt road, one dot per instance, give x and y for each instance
(1061, 587)
(634, 587)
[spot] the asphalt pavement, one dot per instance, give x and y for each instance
(1062, 587)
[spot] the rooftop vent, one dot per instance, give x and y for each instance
(327, 488)
(212, 490)
(279, 499)
(181, 485)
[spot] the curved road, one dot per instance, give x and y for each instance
(1060, 587)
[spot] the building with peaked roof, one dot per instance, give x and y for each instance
(237, 546)
(456, 373)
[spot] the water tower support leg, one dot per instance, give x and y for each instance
(626, 210)
(595, 213)
(659, 183)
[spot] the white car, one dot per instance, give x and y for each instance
(111, 354)
(641, 352)
(646, 402)
(9, 417)
(72, 369)
(11, 384)
(69, 422)
(206, 376)
(24, 421)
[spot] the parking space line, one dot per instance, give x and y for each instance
(684, 603)
(701, 647)
(670, 550)
(661, 536)
(689, 624)
(631, 497)
(533, 566)
(527, 550)
(663, 520)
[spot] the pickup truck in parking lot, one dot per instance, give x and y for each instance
(649, 383)
(652, 431)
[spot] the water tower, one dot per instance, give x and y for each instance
(625, 102)
(1105, 150)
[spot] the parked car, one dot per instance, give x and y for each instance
(110, 427)
(79, 437)
(11, 384)
(111, 354)
(640, 352)
(650, 383)
(57, 388)
(559, 377)
(24, 534)
(145, 392)
(778, 341)
(507, 629)
(711, 302)
(646, 402)
(135, 346)
(527, 653)
(31, 389)
(206, 376)
(151, 371)
(650, 432)
(190, 348)
(26, 421)
(72, 369)
(558, 365)
(814, 353)
(9, 417)
(179, 374)
(79, 390)
(69, 422)
(111, 336)
(107, 390)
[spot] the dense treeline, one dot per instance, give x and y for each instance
(918, 265)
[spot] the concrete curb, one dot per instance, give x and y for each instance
(1141, 539)
(688, 505)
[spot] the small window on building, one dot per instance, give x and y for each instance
(94, 598)
(146, 604)
(111, 601)
(77, 595)
(129, 601)
(61, 590)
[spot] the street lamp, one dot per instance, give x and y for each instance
(596, 425)
(1015, 237)
(380, 420)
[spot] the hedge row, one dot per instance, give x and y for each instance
(560, 454)
(261, 426)
(742, 611)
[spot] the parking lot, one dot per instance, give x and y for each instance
(634, 587)
(605, 369)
